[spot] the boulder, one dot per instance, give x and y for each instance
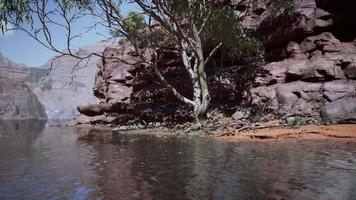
(291, 26)
(338, 89)
(241, 114)
(93, 109)
(99, 109)
(113, 80)
(340, 111)
(350, 70)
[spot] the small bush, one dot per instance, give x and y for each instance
(45, 82)
(298, 122)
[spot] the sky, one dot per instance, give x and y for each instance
(20, 48)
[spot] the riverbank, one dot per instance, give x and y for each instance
(340, 131)
(268, 132)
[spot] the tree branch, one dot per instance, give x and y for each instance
(212, 53)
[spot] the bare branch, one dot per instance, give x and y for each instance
(212, 53)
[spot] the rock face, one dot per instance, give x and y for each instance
(6, 62)
(113, 81)
(133, 92)
(70, 85)
(309, 72)
(18, 102)
(315, 75)
(340, 111)
(20, 72)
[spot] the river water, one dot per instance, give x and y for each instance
(38, 161)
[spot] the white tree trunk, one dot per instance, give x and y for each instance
(201, 103)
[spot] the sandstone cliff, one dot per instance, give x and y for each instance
(70, 86)
(20, 72)
(18, 102)
(313, 74)
(62, 88)
(309, 72)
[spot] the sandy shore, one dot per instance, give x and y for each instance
(341, 131)
(346, 131)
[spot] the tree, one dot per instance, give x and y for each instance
(134, 22)
(198, 29)
(39, 19)
(187, 25)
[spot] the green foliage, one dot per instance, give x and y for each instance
(122, 41)
(247, 49)
(221, 26)
(45, 82)
(297, 122)
(157, 37)
(74, 4)
(256, 114)
(238, 43)
(133, 22)
(16, 11)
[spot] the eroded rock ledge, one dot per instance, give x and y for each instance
(309, 74)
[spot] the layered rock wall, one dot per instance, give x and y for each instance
(312, 59)
(318, 72)
(309, 71)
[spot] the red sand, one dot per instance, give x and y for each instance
(346, 131)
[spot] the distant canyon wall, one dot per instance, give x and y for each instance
(17, 101)
(58, 85)
(71, 85)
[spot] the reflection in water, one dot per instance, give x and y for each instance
(38, 162)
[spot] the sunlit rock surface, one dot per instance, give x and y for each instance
(310, 63)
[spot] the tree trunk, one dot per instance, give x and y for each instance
(201, 93)
(205, 93)
(202, 78)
